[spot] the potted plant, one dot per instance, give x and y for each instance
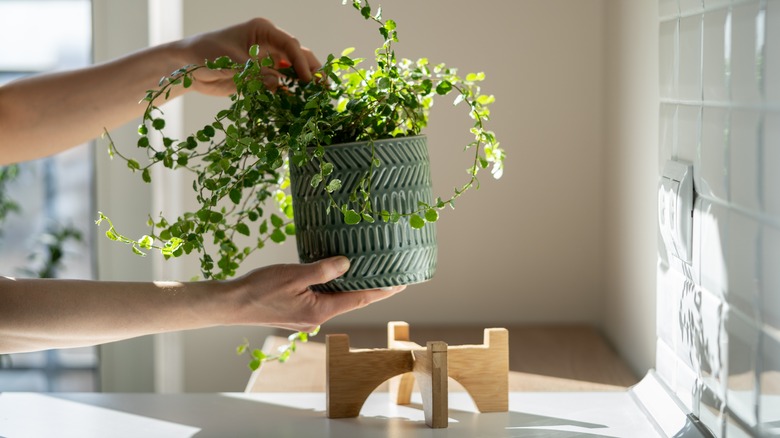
(350, 147)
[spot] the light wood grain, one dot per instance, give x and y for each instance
(430, 371)
(354, 374)
(482, 370)
(541, 358)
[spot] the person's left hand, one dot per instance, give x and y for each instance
(279, 295)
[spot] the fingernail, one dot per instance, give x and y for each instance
(283, 63)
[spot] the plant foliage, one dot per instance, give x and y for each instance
(240, 160)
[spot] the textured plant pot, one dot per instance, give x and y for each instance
(382, 254)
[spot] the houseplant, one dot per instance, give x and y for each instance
(244, 159)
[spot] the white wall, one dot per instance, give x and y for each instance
(630, 180)
(525, 249)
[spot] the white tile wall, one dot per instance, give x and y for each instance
(742, 260)
(743, 158)
(711, 166)
(744, 62)
(719, 318)
(688, 132)
(713, 57)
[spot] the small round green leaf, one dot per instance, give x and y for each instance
(278, 236)
(276, 221)
(443, 88)
(242, 228)
(416, 222)
(333, 185)
(351, 217)
(235, 196)
(431, 215)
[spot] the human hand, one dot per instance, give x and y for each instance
(235, 42)
(279, 295)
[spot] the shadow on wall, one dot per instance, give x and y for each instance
(716, 318)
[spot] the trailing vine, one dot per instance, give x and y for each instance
(240, 160)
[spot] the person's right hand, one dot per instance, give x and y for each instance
(279, 295)
(235, 42)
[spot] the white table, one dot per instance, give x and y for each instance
(302, 415)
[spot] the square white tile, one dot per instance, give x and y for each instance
(713, 171)
(667, 125)
(714, 229)
(743, 338)
(743, 63)
(744, 159)
(690, 75)
(742, 264)
(713, 345)
(667, 58)
(714, 56)
(665, 362)
(688, 132)
(667, 309)
(687, 387)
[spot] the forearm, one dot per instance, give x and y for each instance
(43, 314)
(45, 114)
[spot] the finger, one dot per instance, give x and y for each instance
(291, 48)
(271, 78)
(322, 271)
(306, 328)
(314, 63)
(299, 60)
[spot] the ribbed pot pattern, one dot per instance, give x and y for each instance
(382, 254)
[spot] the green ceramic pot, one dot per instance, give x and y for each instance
(382, 254)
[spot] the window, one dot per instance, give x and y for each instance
(54, 195)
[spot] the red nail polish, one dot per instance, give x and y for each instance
(284, 63)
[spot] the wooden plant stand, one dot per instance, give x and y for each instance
(352, 374)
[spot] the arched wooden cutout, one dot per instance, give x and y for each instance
(353, 374)
(483, 370)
